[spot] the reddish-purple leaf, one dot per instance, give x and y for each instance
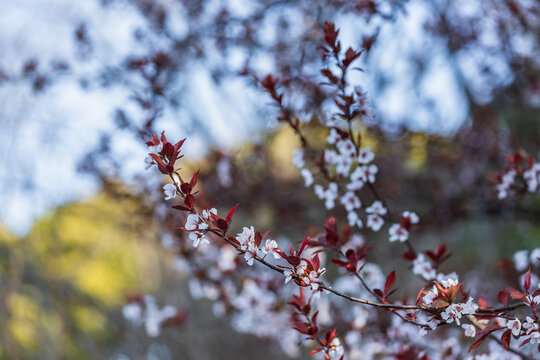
(505, 339)
(178, 145)
(189, 201)
(186, 188)
(194, 179)
(304, 243)
(157, 159)
(515, 294)
(222, 225)
(503, 298)
(233, 240)
(527, 281)
(330, 335)
(314, 317)
(231, 213)
(180, 207)
(418, 296)
(390, 279)
(316, 262)
(313, 352)
(481, 336)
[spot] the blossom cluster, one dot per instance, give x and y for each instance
(252, 296)
(143, 310)
(521, 176)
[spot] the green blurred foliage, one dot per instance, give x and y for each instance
(62, 286)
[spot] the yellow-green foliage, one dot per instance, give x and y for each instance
(74, 268)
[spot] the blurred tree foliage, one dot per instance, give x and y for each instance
(62, 285)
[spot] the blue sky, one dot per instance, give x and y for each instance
(45, 135)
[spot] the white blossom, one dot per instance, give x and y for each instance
(376, 208)
(250, 257)
(530, 324)
(132, 312)
(148, 162)
(398, 233)
(198, 238)
(269, 247)
(413, 218)
(330, 156)
(515, 326)
(170, 191)
(192, 222)
(367, 173)
(344, 164)
(346, 148)
(206, 213)
(308, 177)
(298, 158)
(354, 219)
(155, 149)
(449, 282)
(521, 260)
(535, 337)
(374, 222)
(247, 244)
(430, 296)
(333, 137)
(365, 156)
(531, 178)
(246, 238)
(350, 201)
(329, 195)
(454, 312)
(535, 257)
(336, 350)
(288, 275)
(422, 266)
(470, 330)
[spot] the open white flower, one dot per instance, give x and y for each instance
(198, 238)
(350, 201)
(330, 156)
(422, 266)
(344, 164)
(192, 222)
(308, 177)
(430, 296)
(368, 173)
(346, 148)
(298, 158)
(206, 213)
(374, 222)
(288, 275)
(413, 218)
(247, 238)
(269, 247)
(376, 208)
(170, 191)
(365, 156)
(515, 326)
(470, 330)
(333, 137)
(448, 282)
(148, 162)
(354, 219)
(155, 149)
(398, 233)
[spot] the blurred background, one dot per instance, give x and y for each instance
(453, 87)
